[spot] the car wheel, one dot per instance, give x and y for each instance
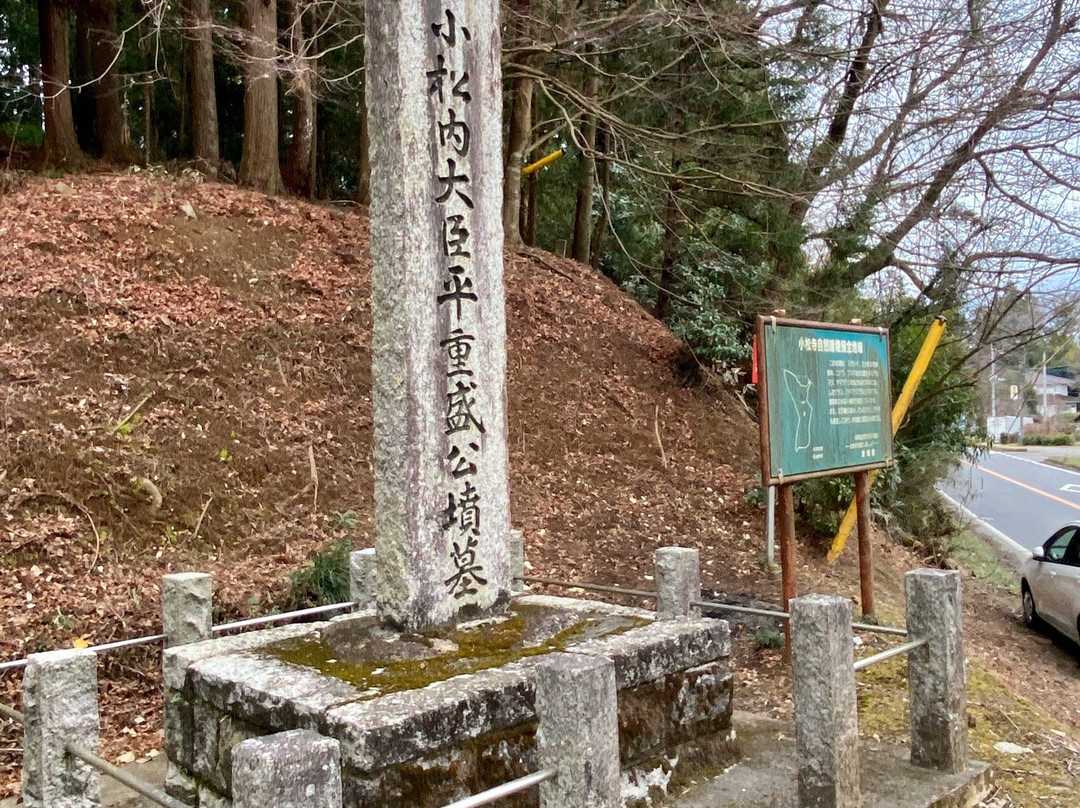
(1031, 616)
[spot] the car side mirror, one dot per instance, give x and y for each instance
(1038, 554)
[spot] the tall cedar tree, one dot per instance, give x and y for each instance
(259, 167)
(300, 162)
(61, 144)
(199, 51)
(110, 130)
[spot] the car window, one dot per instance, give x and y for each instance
(1072, 554)
(1054, 550)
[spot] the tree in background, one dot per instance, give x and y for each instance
(259, 165)
(199, 53)
(61, 143)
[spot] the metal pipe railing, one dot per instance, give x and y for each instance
(730, 607)
(279, 618)
(701, 604)
(108, 646)
(118, 774)
(641, 593)
(505, 790)
(152, 638)
(889, 654)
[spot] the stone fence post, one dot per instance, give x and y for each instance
(578, 734)
(936, 675)
(60, 704)
(678, 582)
(362, 578)
(294, 769)
(187, 607)
(826, 717)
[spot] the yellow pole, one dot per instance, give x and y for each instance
(918, 370)
(543, 161)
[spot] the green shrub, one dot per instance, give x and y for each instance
(1049, 439)
(324, 580)
(769, 637)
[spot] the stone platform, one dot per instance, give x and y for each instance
(424, 731)
(765, 775)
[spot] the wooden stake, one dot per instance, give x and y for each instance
(785, 502)
(866, 561)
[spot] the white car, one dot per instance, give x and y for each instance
(1050, 583)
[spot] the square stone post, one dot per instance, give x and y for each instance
(362, 578)
(936, 674)
(294, 769)
(187, 608)
(434, 96)
(578, 732)
(60, 704)
(678, 582)
(826, 717)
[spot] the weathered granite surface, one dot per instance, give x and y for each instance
(428, 746)
(937, 680)
(60, 704)
(442, 510)
(294, 769)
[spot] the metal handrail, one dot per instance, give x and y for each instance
(641, 593)
(279, 618)
(505, 790)
(701, 604)
(108, 646)
(780, 615)
(152, 638)
(711, 604)
(866, 662)
(118, 774)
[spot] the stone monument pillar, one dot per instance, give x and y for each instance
(439, 354)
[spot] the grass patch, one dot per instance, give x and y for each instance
(324, 580)
(1064, 462)
(975, 555)
(1044, 778)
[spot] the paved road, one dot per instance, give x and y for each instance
(1017, 494)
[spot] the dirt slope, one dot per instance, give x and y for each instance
(185, 384)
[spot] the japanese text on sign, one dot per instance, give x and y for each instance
(448, 91)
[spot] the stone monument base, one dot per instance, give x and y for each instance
(426, 721)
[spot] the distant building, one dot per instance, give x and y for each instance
(1054, 395)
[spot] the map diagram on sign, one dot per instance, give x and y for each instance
(798, 387)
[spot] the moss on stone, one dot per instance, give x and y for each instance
(490, 644)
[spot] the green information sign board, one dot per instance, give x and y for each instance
(826, 403)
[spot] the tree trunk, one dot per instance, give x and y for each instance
(517, 144)
(82, 73)
(603, 173)
(300, 163)
(519, 134)
(110, 130)
(259, 167)
(61, 144)
(363, 158)
(669, 247)
(528, 232)
(199, 48)
(582, 248)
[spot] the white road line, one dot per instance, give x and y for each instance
(1039, 463)
(1010, 543)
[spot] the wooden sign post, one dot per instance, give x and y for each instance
(825, 408)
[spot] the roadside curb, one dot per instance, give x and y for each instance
(1015, 552)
